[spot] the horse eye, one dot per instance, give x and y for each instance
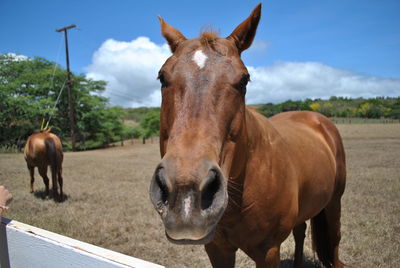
(243, 82)
(162, 80)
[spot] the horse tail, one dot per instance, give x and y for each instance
(320, 239)
(52, 156)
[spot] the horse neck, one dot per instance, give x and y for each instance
(255, 135)
(258, 134)
(259, 130)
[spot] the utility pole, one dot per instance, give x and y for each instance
(71, 106)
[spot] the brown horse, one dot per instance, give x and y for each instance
(229, 177)
(44, 149)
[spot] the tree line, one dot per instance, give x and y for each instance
(379, 107)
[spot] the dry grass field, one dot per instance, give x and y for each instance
(107, 202)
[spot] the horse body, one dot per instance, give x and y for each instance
(44, 149)
(229, 177)
(295, 167)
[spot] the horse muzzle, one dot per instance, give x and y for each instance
(190, 205)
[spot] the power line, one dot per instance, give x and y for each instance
(125, 97)
(57, 100)
(125, 94)
(55, 63)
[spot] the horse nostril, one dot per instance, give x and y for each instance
(162, 186)
(159, 190)
(212, 186)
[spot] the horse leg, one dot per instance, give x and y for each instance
(299, 233)
(43, 173)
(31, 173)
(332, 212)
(60, 182)
(221, 256)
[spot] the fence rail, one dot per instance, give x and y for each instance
(22, 245)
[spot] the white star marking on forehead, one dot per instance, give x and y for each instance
(200, 58)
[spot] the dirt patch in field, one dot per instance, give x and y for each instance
(107, 202)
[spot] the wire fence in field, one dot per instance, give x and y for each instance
(351, 120)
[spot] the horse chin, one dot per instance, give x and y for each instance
(202, 241)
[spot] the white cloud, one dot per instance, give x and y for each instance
(131, 69)
(296, 80)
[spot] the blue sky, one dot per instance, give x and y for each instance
(357, 38)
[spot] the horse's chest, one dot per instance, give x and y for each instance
(245, 227)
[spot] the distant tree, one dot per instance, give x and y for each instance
(26, 95)
(315, 106)
(29, 89)
(370, 109)
(137, 114)
(394, 109)
(133, 132)
(150, 125)
(268, 109)
(326, 108)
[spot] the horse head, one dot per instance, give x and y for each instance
(203, 88)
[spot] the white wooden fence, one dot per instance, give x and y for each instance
(24, 246)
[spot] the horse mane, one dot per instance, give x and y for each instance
(208, 38)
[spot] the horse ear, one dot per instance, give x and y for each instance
(244, 34)
(172, 35)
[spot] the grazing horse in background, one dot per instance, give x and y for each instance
(44, 149)
(231, 178)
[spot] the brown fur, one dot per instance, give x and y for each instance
(229, 177)
(44, 149)
(208, 39)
